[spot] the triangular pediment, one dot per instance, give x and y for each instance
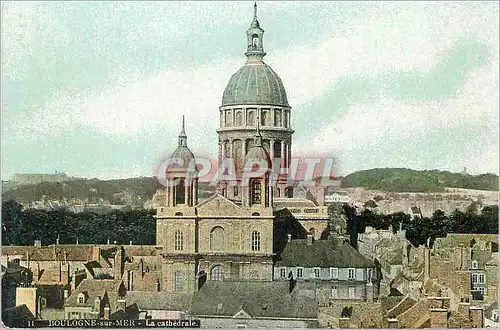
(217, 205)
(242, 314)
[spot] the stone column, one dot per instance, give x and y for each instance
(230, 148)
(271, 148)
(244, 116)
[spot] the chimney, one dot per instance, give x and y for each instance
(106, 312)
(66, 294)
(289, 238)
(38, 243)
(393, 323)
(108, 242)
(96, 253)
(463, 308)
(439, 318)
(476, 316)
(309, 239)
(130, 243)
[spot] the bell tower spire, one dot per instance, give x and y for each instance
(255, 49)
(182, 135)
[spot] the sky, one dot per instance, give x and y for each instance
(98, 89)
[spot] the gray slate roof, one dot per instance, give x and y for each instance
(258, 299)
(255, 83)
(159, 300)
(321, 253)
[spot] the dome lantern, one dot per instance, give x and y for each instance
(255, 48)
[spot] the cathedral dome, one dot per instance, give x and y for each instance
(255, 83)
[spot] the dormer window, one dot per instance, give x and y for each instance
(81, 298)
(474, 264)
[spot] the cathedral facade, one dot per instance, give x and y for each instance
(230, 235)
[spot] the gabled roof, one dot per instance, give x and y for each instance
(106, 289)
(257, 299)
(321, 253)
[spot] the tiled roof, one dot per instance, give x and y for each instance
(52, 252)
(259, 299)
(159, 300)
(321, 253)
(106, 289)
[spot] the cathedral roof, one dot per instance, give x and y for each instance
(255, 83)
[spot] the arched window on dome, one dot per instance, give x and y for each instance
(264, 118)
(285, 119)
(229, 117)
(238, 119)
(277, 118)
(255, 240)
(251, 118)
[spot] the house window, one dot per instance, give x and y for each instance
(335, 292)
(316, 271)
(81, 298)
(178, 281)
(334, 273)
(255, 241)
(474, 264)
(351, 273)
(216, 273)
(351, 292)
(241, 326)
(178, 241)
(480, 278)
(235, 191)
(474, 278)
(217, 239)
(300, 272)
(283, 272)
(74, 315)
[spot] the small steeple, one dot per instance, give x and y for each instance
(255, 49)
(182, 135)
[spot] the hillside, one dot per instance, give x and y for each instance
(139, 190)
(120, 191)
(406, 180)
